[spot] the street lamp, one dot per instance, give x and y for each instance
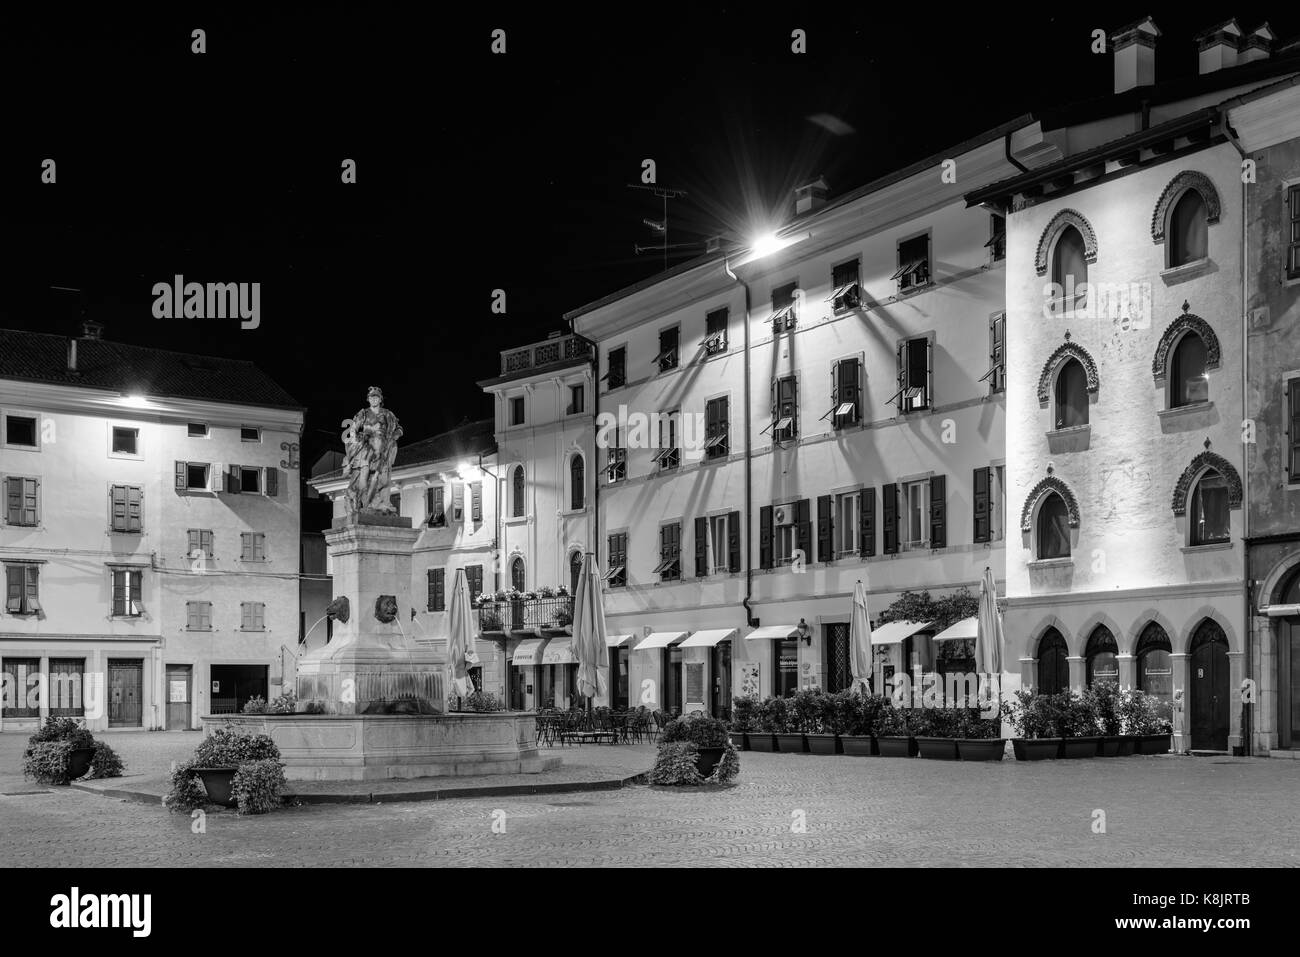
(804, 632)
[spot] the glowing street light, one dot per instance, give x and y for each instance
(768, 244)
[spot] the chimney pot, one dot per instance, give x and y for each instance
(1134, 50)
(1256, 45)
(810, 196)
(1217, 47)
(91, 329)
(72, 355)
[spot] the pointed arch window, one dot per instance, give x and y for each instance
(1053, 531)
(1070, 267)
(1053, 663)
(577, 483)
(1071, 408)
(1188, 230)
(1209, 513)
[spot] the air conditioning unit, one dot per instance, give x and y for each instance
(783, 514)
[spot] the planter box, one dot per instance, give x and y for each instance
(981, 749)
(791, 743)
(740, 739)
(859, 745)
(706, 759)
(1153, 743)
(217, 782)
(1037, 749)
(824, 743)
(1118, 745)
(1086, 747)
(938, 749)
(761, 741)
(894, 747)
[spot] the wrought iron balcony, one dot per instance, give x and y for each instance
(536, 615)
(540, 354)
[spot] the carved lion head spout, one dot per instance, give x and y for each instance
(339, 609)
(386, 608)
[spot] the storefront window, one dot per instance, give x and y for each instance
(786, 666)
(1155, 673)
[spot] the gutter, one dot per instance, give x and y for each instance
(749, 464)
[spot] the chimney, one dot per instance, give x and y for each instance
(1257, 44)
(91, 329)
(72, 355)
(1217, 47)
(810, 196)
(1134, 49)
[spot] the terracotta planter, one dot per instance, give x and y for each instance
(1086, 747)
(937, 749)
(217, 782)
(706, 759)
(791, 743)
(1037, 749)
(1153, 743)
(79, 762)
(981, 749)
(896, 747)
(858, 745)
(824, 743)
(761, 741)
(740, 739)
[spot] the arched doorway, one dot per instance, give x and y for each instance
(1053, 663)
(1288, 670)
(1155, 673)
(1210, 703)
(1102, 656)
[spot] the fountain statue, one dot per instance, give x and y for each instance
(370, 447)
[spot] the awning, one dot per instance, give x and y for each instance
(660, 639)
(841, 290)
(559, 652)
(774, 631)
(896, 631)
(966, 628)
(617, 641)
(845, 408)
(529, 652)
(707, 639)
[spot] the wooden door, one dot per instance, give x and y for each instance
(179, 691)
(1210, 702)
(1288, 673)
(125, 687)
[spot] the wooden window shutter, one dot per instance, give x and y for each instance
(233, 484)
(889, 516)
(476, 501)
(13, 588)
(803, 518)
(430, 603)
(272, 482)
(825, 550)
(929, 373)
(867, 522)
(181, 476)
(137, 605)
(117, 508)
(135, 508)
(701, 547)
(938, 511)
(733, 541)
(902, 374)
(983, 528)
(835, 386)
(765, 537)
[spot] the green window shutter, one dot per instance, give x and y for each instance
(181, 475)
(982, 503)
(825, 551)
(938, 511)
(733, 541)
(701, 547)
(272, 482)
(867, 522)
(765, 536)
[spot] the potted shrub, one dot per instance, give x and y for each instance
(979, 738)
(1146, 719)
(742, 721)
(60, 751)
(815, 716)
(217, 759)
(255, 705)
(894, 732)
(1035, 724)
(1078, 724)
(677, 763)
(861, 716)
(939, 738)
(766, 719)
(785, 727)
(709, 735)
(1107, 704)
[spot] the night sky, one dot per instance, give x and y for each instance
(475, 171)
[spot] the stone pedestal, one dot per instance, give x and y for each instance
(372, 665)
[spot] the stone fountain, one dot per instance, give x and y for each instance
(371, 702)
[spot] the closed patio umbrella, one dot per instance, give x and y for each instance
(460, 637)
(988, 637)
(860, 640)
(589, 638)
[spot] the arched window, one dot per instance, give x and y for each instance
(517, 578)
(1053, 663)
(575, 570)
(517, 495)
(1053, 528)
(1188, 233)
(1071, 395)
(1155, 671)
(1070, 267)
(577, 488)
(1209, 516)
(1187, 379)
(1102, 655)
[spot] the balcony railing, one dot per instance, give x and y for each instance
(548, 352)
(526, 614)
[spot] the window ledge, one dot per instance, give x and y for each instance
(1177, 274)
(1208, 547)
(1045, 563)
(514, 520)
(1185, 411)
(1075, 438)
(573, 511)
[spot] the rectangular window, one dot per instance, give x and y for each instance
(616, 368)
(784, 313)
(197, 430)
(914, 514)
(20, 430)
(715, 331)
(198, 616)
(1293, 429)
(474, 579)
(126, 441)
(128, 600)
(670, 555)
(250, 479)
(669, 455)
(252, 546)
(517, 410)
(913, 375)
(716, 428)
(1293, 239)
(616, 461)
(458, 502)
(22, 500)
(127, 513)
(200, 543)
(22, 595)
(252, 616)
(844, 286)
(616, 558)
(785, 409)
(667, 357)
(577, 400)
(847, 523)
(437, 589)
(996, 377)
(433, 506)
(247, 434)
(997, 244)
(719, 545)
(913, 263)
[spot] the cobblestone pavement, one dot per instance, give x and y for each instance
(1165, 811)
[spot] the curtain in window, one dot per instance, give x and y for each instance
(1071, 395)
(1210, 510)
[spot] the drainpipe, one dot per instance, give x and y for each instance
(749, 564)
(1247, 736)
(1006, 148)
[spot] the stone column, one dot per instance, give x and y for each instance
(1127, 671)
(1236, 672)
(43, 706)
(1078, 673)
(1028, 672)
(1179, 664)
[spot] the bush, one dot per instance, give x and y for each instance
(675, 765)
(105, 763)
(46, 758)
(1142, 713)
(895, 723)
(1106, 701)
(259, 786)
(285, 703)
(744, 714)
(63, 729)
(483, 701)
(698, 729)
(227, 748)
(774, 716)
(864, 713)
(255, 705)
(971, 724)
(47, 762)
(186, 792)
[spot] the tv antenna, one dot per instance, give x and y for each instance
(660, 227)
